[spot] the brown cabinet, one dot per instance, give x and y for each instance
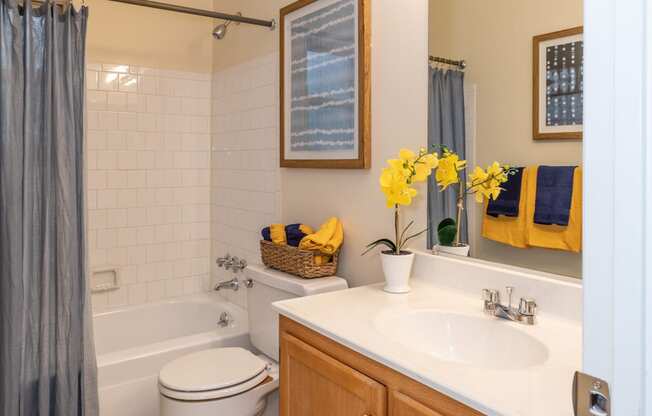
(318, 385)
(320, 377)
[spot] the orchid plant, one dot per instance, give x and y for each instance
(397, 183)
(398, 180)
(483, 184)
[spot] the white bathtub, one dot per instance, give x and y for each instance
(133, 343)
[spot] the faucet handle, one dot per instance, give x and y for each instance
(509, 290)
(527, 307)
(490, 296)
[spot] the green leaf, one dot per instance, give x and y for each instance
(400, 240)
(415, 235)
(383, 241)
(446, 231)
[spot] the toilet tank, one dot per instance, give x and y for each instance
(270, 286)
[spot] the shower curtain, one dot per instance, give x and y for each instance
(47, 361)
(445, 128)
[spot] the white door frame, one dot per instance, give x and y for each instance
(618, 194)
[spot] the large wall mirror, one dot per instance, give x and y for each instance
(516, 99)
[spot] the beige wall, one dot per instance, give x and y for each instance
(399, 100)
(495, 39)
(124, 33)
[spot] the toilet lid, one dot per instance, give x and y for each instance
(212, 373)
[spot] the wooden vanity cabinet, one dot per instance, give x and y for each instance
(320, 377)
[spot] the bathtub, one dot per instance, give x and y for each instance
(132, 345)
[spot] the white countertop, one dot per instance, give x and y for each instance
(354, 317)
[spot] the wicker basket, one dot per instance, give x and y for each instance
(297, 262)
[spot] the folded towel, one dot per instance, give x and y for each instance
(554, 194)
(507, 229)
(267, 236)
(508, 201)
(277, 232)
(327, 239)
(554, 236)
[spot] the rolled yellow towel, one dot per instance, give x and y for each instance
(327, 239)
(277, 233)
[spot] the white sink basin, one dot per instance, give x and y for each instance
(474, 340)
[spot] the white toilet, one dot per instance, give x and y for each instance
(234, 381)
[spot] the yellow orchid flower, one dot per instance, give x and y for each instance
(397, 178)
(421, 172)
(486, 184)
(406, 155)
(431, 160)
(448, 168)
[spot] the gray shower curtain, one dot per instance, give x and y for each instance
(445, 127)
(47, 360)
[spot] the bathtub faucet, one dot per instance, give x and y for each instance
(232, 284)
(231, 263)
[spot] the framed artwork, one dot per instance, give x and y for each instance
(558, 85)
(325, 85)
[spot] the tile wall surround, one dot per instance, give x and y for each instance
(148, 181)
(245, 185)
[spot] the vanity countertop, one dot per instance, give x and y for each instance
(483, 368)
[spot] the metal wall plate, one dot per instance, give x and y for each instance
(590, 396)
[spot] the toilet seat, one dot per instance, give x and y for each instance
(212, 374)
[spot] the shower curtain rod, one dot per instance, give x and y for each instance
(188, 10)
(461, 64)
(199, 12)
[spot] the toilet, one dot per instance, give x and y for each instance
(233, 381)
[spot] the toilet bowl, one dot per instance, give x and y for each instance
(235, 381)
(220, 381)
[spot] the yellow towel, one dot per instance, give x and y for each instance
(277, 233)
(558, 237)
(509, 230)
(306, 229)
(327, 239)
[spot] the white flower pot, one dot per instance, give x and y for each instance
(397, 269)
(461, 250)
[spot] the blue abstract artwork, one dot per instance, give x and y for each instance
(321, 67)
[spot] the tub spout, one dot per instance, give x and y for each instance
(232, 284)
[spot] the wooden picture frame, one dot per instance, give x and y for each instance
(358, 138)
(557, 102)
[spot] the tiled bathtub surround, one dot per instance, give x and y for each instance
(245, 174)
(148, 181)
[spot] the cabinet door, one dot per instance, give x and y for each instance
(314, 384)
(402, 405)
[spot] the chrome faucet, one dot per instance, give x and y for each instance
(525, 313)
(232, 284)
(231, 263)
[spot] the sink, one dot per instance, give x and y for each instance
(467, 339)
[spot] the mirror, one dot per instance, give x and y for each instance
(517, 100)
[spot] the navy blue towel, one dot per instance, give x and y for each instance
(267, 235)
(294, 235)
(510, 197)
(554, 195)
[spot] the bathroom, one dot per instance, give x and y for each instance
(180, 112)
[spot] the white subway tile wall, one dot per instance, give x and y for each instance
(148, 181)
(245, 185)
